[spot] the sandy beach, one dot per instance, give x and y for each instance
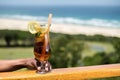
(12, 24)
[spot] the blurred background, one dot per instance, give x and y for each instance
(68, 50)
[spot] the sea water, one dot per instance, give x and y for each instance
(100, 16)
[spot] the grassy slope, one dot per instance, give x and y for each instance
(15, 53)
(87, 51)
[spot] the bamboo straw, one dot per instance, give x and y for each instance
(49, 19)
(49, 22)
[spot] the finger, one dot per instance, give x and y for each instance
(34, 65)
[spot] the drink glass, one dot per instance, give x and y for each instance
(42, 49)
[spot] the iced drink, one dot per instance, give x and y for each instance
(42, 48)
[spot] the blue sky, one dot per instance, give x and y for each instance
(61, 2)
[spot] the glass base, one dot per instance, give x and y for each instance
(44, 67)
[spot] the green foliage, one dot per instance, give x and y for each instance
(66, 49)
(14, 36)
(113, 58)
(97, 59)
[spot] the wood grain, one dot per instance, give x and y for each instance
(75, 73)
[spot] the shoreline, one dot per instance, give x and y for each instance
(15, 24)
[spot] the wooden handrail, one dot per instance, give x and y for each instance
(76, 73)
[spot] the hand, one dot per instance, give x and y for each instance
(12, 65)
(30, 63)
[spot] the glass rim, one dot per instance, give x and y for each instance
(44, 25)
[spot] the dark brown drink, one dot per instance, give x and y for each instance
(41, 44)
(42, 50)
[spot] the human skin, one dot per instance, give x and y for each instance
(12, 65)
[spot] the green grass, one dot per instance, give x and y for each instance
(15, 53)
(88, 51)
(2, 42)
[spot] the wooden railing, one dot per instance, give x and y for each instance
(76, 73)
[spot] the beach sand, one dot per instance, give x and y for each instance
(12, 24)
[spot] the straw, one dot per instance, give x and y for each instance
(49, 22)
(49, 19)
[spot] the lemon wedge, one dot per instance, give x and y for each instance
(44, 29)
(34, 27)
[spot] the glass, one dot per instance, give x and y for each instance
(42, 49)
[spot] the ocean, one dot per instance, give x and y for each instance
(100, 16)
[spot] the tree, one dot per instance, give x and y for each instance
(8, 39)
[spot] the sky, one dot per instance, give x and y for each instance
(60, 2)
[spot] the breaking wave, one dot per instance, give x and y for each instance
(69, 20)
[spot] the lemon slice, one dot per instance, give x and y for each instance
(44, 29)
(34, 27)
